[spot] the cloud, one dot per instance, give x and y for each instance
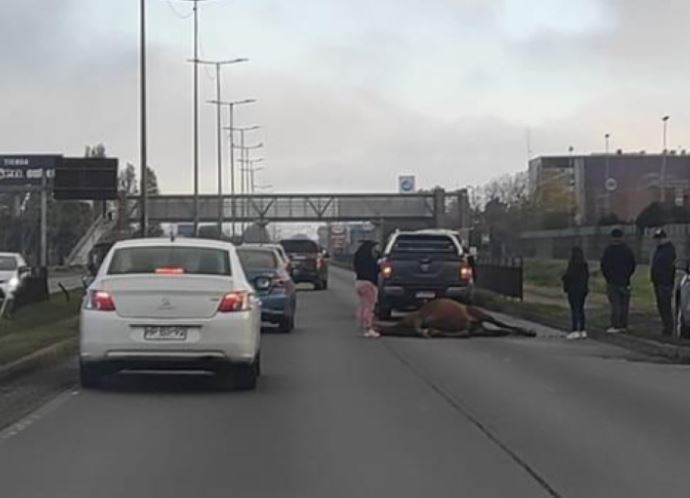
(350, 94)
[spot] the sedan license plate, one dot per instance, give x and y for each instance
(426, 295)
(165, 333)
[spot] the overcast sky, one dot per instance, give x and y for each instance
(351, 93)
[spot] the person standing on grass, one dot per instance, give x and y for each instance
(663, 274)
(576, 286)
(618, 266)
(366, 283)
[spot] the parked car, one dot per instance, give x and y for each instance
(417, 267)
(13, 270)
(159, 304)
(264, 265)
(308, 262)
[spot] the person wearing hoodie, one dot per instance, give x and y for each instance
(576, 286)
(618, 266)
(366, 283)
(663, 273)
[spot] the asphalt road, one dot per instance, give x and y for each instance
(341, 416)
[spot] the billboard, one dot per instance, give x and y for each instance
(27, 170)
(86, 178)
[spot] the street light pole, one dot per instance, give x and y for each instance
(664, 152)
(607, 174)
(195, 10)
(144, 173)
(231, 117)
(219, 125)
(242, 148)
(573, 199)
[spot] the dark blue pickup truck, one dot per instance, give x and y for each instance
(420, 266)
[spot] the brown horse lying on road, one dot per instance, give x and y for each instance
(448, 318)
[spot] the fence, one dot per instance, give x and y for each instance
(500, 275)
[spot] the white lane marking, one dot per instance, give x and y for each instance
(23, 424)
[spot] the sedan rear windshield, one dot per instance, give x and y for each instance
(180, 259)
(257, 258)
(418, 245)
(300, 246)
(8, 263)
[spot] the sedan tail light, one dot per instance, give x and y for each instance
(100, 301)
(234, 301)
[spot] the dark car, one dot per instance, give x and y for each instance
(308, 262)
(418, 267)
(266, 268)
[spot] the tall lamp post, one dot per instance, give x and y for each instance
(144, 173)
(219, 126)
(664, 152)
(231, 117)
(195, 9)
(242, 150)
(607, 174)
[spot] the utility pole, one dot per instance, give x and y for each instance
(44, 219)
(219, 126)
(231, 118)
(195, 9)
(242, 148)
(664, 152)
(143, 202)
(607, 174)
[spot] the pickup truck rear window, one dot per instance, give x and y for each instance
(186, 260)
(300, 246)
(417, 245)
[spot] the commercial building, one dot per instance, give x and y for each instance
(593, 186)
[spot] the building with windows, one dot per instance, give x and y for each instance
(591, 187)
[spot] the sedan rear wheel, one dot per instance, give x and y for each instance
(90, 376)
(246, 376)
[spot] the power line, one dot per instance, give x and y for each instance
(177, 13)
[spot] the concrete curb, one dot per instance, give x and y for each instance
(40, 358)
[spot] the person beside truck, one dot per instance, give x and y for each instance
(663, 273)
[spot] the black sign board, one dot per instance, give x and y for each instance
(27, 170)
(89, 178)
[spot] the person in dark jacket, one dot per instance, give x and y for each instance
(663, 274)
(366, 283)
(618, 266)
(576, 286)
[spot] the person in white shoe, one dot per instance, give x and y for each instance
(367, 273)
(618, 266)
(576, 286)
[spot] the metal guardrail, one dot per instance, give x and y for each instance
(503, 276)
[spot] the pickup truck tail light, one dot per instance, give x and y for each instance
(319, 262)
(466, 272)
(386, 270)
(234, 301)
(100, 301)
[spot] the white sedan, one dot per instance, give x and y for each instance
(12, 269)
(171, 304)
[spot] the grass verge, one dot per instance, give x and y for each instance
(38, 326)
